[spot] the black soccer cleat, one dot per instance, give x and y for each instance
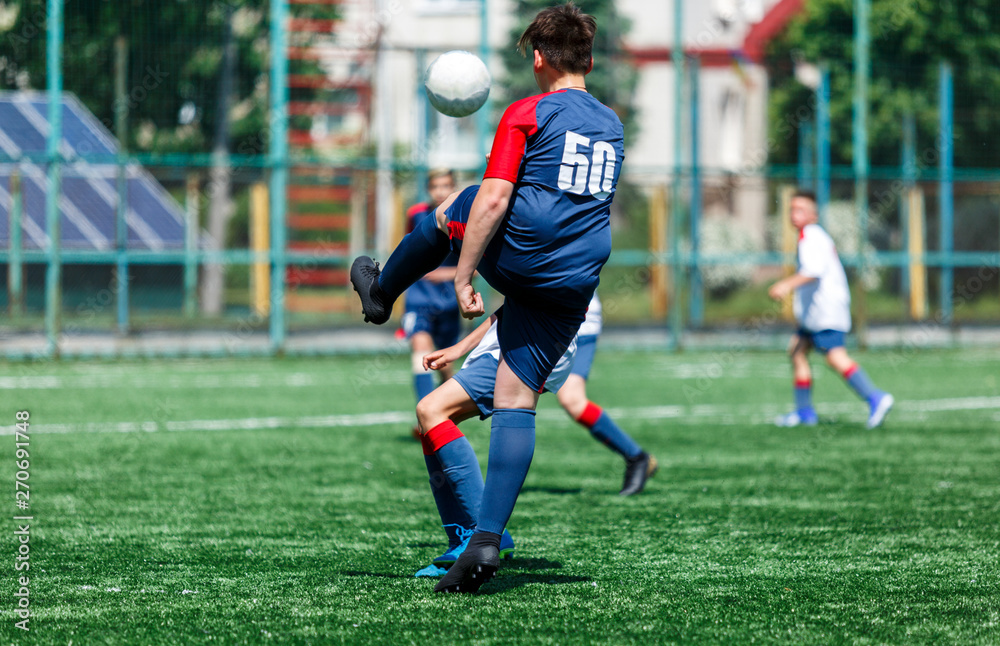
(364, 278)
(637, 471)
(476, 565)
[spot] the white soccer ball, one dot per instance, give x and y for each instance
(457, 83)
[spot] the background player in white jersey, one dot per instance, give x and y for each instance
(823, 312)
(639, 465)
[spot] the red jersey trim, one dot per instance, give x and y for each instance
(419, 207)
(518, 123)
(456, 230)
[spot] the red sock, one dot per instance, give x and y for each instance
(850, 371)
(426, 445)
(440, 435)
(590, 414)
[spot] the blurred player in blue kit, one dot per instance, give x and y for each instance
(431, 319)
(822, 308)
(538, 230)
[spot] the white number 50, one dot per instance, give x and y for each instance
(575, 168)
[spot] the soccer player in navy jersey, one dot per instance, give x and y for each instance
(431, 319)
(538, 230)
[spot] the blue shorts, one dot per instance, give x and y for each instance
(824, 340)
(532, 334)
(443, 326)
(586, 346)
(479, 377)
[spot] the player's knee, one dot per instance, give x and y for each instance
(425, 412)
(572, 401)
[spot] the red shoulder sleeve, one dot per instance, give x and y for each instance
(518, 123)
(417, 208)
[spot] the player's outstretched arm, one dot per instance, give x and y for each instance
(441, 359)
(487, 213)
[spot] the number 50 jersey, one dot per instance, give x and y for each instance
(563, 151)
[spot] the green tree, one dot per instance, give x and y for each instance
(613, 80)
(909, 40)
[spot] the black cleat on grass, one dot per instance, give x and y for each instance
(364, 278)
(477, 565)
(637, 471)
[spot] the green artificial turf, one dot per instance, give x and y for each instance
(303, 519)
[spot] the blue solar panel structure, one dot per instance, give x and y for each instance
(89, 198)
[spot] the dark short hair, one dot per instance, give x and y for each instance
(565, 37)
(806, 193)
(436, 173)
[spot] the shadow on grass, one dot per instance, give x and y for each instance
(380, 575)
(529, 564)
(504, 582)
(551, 490)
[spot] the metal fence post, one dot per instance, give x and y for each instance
(54, 83)
(909, 161)
(485, 112)
(15, 273)
(674, 314)
(121, 213)
(823, 143)
(191, 200)
(696, 295)
(862, 73)
(278, 163)
(946, 194)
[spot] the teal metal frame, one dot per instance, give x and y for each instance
(484, 114)
(862, 74)
(15, 267)
(946, 194)
(696, 289)
(909, 165)
(277, 161)
(53, 228)
(674, 315)
(815, 169)
(823, 143)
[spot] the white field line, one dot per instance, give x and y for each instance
(694, 414)
(182, 382)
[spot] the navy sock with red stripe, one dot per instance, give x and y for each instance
(803, 395)
(604, 429)
(455, 478)
(420, 251)
(858, 379)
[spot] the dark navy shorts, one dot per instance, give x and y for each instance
(824, 340)
(532, 337)
(444, 326)
(586, 346)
